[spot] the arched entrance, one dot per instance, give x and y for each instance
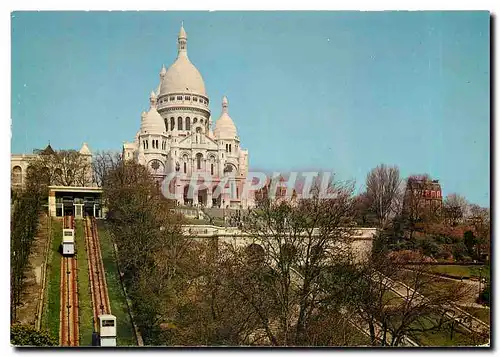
(188, 201)
(202, 197)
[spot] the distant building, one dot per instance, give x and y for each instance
(19, 164)
(422, 192)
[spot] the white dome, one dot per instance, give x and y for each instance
(224, 127)
(152, 122)
(182, 76)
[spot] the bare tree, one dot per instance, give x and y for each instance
(102, 163)
(480, 218)
(455, 208)
(63, 167)
(298, 242)
(383, 186)
(395, 311)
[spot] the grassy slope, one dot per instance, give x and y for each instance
(117, 298)
(482, 314)
(50, 320)
(463, 270)
(84, 296)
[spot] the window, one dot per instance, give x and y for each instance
(198, 161)
(195, 99)
(108, 323)
(229, 147)
(172, 123)
(172, 98)
(195, 120)
(188, 123)
(211, 169)
(187, 97)
(179, 97)
(201, 121)
(185, 167)
(179, 123)
(17, 175)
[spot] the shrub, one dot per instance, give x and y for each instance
(22, 335)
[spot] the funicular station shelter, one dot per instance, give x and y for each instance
(75, 201)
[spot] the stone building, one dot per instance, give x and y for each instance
(176, 137)
(422, 192)
(19, 164)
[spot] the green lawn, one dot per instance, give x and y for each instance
(482, 314)
(52, 305)
(117, 298)
(439, 337)
(443, 338)
(84, 294)
(463, 270)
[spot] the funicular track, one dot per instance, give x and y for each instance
(69, 322)
(98, 287)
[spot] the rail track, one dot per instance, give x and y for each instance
(69, 334)
(98, 286)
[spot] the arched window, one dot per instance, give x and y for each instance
(172, 123)
(166, 124)
(188, 123)
(185, 167)
(229, 147)
(255, 253)
(17, 175)
(201, 121)
(198, 160)
(179, 123)
(195, 120)
(211, 169)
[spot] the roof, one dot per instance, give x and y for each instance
(152, 122)
(182, 76)
(85, 150)
(224, 127)
(47, 151)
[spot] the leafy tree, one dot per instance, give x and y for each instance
(470, 242)
(22, 335)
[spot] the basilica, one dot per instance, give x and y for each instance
(177, 138)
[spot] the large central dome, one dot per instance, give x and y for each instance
(182, 76)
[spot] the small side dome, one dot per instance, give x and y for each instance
(224, 127)
(152, 122)
(85, 150)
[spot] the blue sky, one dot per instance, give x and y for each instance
(340, 91)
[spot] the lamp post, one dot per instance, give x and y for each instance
(480, 278)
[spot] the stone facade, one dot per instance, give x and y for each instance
(19, 165)
(176, 137)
